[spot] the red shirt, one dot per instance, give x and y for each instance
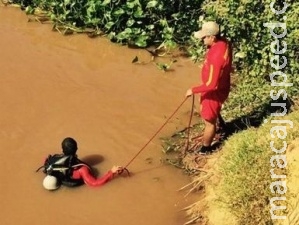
(215, 74)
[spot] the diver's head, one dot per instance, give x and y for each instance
(69, 146)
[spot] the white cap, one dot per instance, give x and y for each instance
(50, 183)
(209, 28)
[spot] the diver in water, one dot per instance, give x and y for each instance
(67, 169)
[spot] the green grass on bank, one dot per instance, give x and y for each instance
(245, 170)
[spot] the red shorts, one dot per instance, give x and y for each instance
(210, 107)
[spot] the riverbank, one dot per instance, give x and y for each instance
(235, 184)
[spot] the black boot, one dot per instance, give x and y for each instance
(205, 150)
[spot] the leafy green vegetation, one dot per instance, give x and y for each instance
(139, 23)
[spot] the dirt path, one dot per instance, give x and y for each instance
(54, 86)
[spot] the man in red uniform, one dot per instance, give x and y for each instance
(215, 78)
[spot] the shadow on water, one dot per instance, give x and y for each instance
(92, 161)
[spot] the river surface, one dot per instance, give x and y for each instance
(55, 86)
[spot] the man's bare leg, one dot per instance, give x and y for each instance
(208, 136)
(209, 132)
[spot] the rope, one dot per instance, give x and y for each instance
(155, 133)
(189, 126)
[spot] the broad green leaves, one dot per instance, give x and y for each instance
(151, 4)
(151, 21)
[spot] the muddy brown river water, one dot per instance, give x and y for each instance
(54, 86)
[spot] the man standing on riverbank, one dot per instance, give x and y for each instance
(215, 78)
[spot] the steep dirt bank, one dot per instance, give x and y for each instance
(215, 211)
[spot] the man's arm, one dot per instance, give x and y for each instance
(84, 173)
